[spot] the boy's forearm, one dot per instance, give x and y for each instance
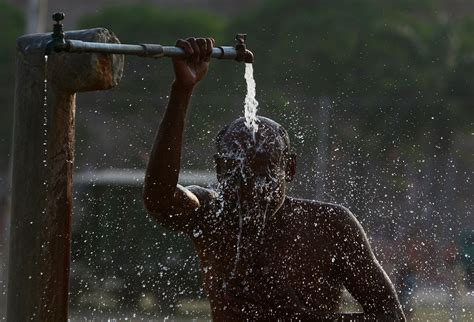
(163, 165)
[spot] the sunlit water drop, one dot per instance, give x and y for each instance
(251, 103)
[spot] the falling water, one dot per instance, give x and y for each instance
(45, 123)
(250, 102)
(45, 112)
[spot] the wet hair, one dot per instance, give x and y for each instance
(266, 127)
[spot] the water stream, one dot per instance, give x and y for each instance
(250, 113)
(250, 104)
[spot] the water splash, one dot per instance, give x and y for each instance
(251, 103)
(261, 230)
(239, 243)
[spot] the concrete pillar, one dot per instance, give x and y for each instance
(43, 163)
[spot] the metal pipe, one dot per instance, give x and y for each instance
(58, 43)
(144, 50)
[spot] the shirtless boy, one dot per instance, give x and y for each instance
(264, 255)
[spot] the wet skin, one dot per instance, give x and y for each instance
(264, 255)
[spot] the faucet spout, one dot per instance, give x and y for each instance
(243, 54)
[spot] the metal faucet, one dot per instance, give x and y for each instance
(57, 43)
(242, 53)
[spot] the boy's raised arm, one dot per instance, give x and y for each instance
(168, 202)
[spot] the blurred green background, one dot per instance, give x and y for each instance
(377, 97)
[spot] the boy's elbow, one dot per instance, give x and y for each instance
(152, 205)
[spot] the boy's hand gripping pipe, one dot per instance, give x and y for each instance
(239, 52)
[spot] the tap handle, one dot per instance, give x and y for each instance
(240, 46)
(240, 39)
(58, 16)
(58, 32)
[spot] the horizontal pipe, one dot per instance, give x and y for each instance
(146, 50)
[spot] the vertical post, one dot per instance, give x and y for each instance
(43, 163)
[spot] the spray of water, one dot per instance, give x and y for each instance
(251, 103)
(239, 241)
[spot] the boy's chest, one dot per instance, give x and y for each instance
(282, 267)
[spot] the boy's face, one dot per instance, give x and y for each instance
(252, 174)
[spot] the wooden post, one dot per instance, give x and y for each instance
(43, 163)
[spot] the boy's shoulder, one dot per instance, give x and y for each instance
(201, 191)
(205, 195)
(320, 210)
(337, 220)
(317, 206)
